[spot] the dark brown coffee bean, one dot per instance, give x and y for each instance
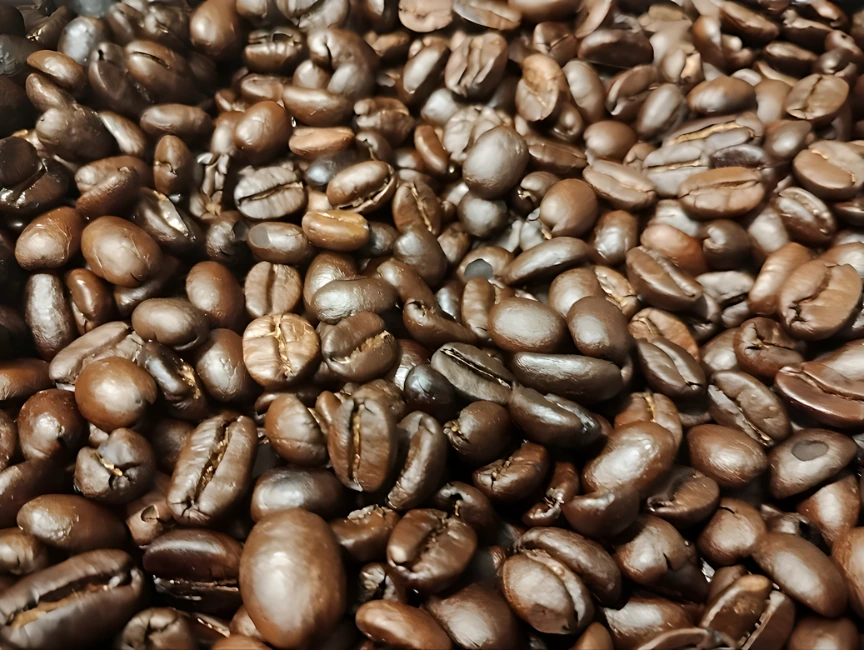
(280, 349)
(518, 474)
(635, 456)
(552, 420)
(660, 282)
(474, 374)
(740, 401)
(762, 348)
(50, 241)
(584, 379)
(120, 252)
(727, 192)
(495, 162)
(114, 392)
(271, 289)
(71, 523)
(567, 607)
(817, 298)
(359, 348)
(119, 471)
(806, 459)
(399, 624)
(170, 321)
(49, 425)
(265, 580)
(430, 549)
(115, 587)
(728, 456)
(792, 563)
(213, 469)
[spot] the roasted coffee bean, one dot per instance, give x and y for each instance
(115, 590)
(362, 443)
(817, 298)
(118, 471)
(280, 349)
(740, 401)
(430, 549)
(265, 580)
(119, 251)
(635, 456)
(271, 289)
(563, 606)
(359, 348)
(793, 562)
(160, 627)
(474, 374)
(71, 523)
(659, 282)
(806, 459)
(50, 241)
(670, 370)
(762, 348)
(213, 469)
(114, 392)
(272, 192)
(728, 456)
(295, 431)
(584, 379)
(520, 473)
(21, 553)
(343, 298)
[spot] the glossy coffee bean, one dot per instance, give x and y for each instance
(266, 581)
(213, 468)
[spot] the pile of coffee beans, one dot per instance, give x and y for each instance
(431, 324)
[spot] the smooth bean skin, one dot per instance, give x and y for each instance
(266, 581)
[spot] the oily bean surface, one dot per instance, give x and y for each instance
(419, 325)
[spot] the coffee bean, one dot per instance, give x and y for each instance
(71, 523)
(399, 623)
(280, 349)
(119, 251)
(113, 392)
(362, 443)
(430, 549)
(117, 591)
(213, 469)
(635, 456)
(265, 581)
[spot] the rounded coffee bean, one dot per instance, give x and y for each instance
(113, 393)
(430, 549)
(495, 163)
(802, 571)
(49, 425)
(120, 251)
(50, 241)
(295, 431)
(71, 523)
(635, 456)
(519, 324)
(118, 471)
(318, 596)
(212, 289)
(728, 456)
(280, 350)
